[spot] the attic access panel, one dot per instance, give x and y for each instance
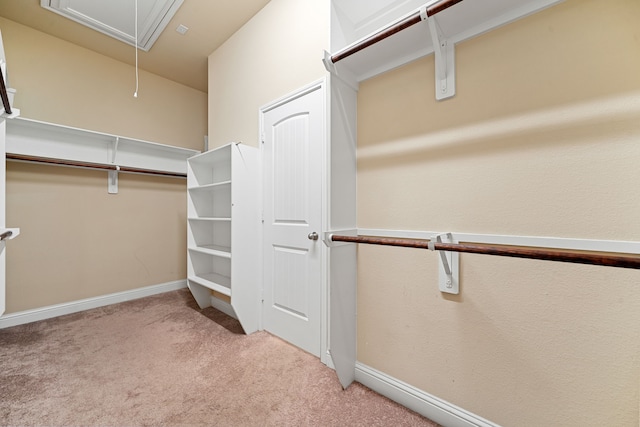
(115, 18)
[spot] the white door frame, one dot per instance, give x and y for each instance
(3, 169)
(324, 303)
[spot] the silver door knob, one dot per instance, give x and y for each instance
(313, 236)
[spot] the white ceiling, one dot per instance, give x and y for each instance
(181, 58)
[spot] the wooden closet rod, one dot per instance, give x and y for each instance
(89, 165)
(562, 255)
(396, 28)
(4, 95)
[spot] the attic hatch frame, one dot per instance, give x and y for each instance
(156, 15)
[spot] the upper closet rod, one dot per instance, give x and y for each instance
(562, 255)
(388, 32)
(4, 95)
(89, 165)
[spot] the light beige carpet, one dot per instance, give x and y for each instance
(161, 361)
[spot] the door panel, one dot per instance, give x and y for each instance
(290, 180)
(290, 267)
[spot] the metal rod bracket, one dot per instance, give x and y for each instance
(444, 51)
(8, 234)
(327, 237)
(340, 73)
(113, 181)
(448, 271)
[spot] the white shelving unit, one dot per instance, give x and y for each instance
(33, 137)
(27, 137)
(352, 22)
(355, 20)
(223, 225)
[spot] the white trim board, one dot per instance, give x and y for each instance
(430, 406)
(48, 312)
(223, 306)
(617, 246)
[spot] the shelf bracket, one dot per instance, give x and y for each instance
(113, 180)
(448, 271)
(114, 151)
(444, 51)
(113, 175)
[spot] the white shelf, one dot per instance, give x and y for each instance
(215, 218)
(460, 22)
(215, 250)
(213, 281)
(36, 138)
(210, 187)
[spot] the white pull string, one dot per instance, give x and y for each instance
(135, 94)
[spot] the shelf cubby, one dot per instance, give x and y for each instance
(223, 221)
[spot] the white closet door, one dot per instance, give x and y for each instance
(292, 195)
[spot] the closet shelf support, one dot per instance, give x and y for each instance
(448, 271)
(444, 52)
(113, 180)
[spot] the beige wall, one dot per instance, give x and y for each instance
(541, 139)
(62, 83)
(76, 240)
(275, 53)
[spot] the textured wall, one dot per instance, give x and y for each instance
(278, 51)
(76, 240)
(63, 83)
(541, 139)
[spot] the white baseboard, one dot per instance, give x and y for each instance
(223, 306)
(48, 312)
(435, 409)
